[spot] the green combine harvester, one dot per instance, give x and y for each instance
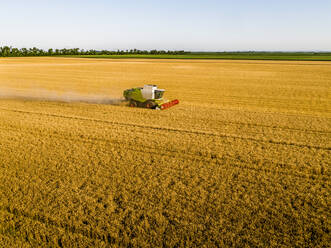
(148, 96)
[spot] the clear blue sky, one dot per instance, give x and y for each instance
(200, 25)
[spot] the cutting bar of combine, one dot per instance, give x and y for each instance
(169, 104)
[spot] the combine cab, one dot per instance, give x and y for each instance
(148, 96)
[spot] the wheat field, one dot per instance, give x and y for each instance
(243, 160)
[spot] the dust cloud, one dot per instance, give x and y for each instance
(48, 95)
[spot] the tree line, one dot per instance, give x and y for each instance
(8, 51)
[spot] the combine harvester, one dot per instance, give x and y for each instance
(148, 96)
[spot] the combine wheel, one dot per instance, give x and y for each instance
(149, 105)
(133, 104)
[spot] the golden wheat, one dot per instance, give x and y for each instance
(243, 160)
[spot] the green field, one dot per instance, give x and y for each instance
(244, 56)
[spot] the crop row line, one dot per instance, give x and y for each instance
(278, 113)
(197, 132)
(273, 127)
(219, 161)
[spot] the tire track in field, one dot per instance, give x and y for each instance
(275, 113)
(197, 132)
(224, 160)
(282, 128)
